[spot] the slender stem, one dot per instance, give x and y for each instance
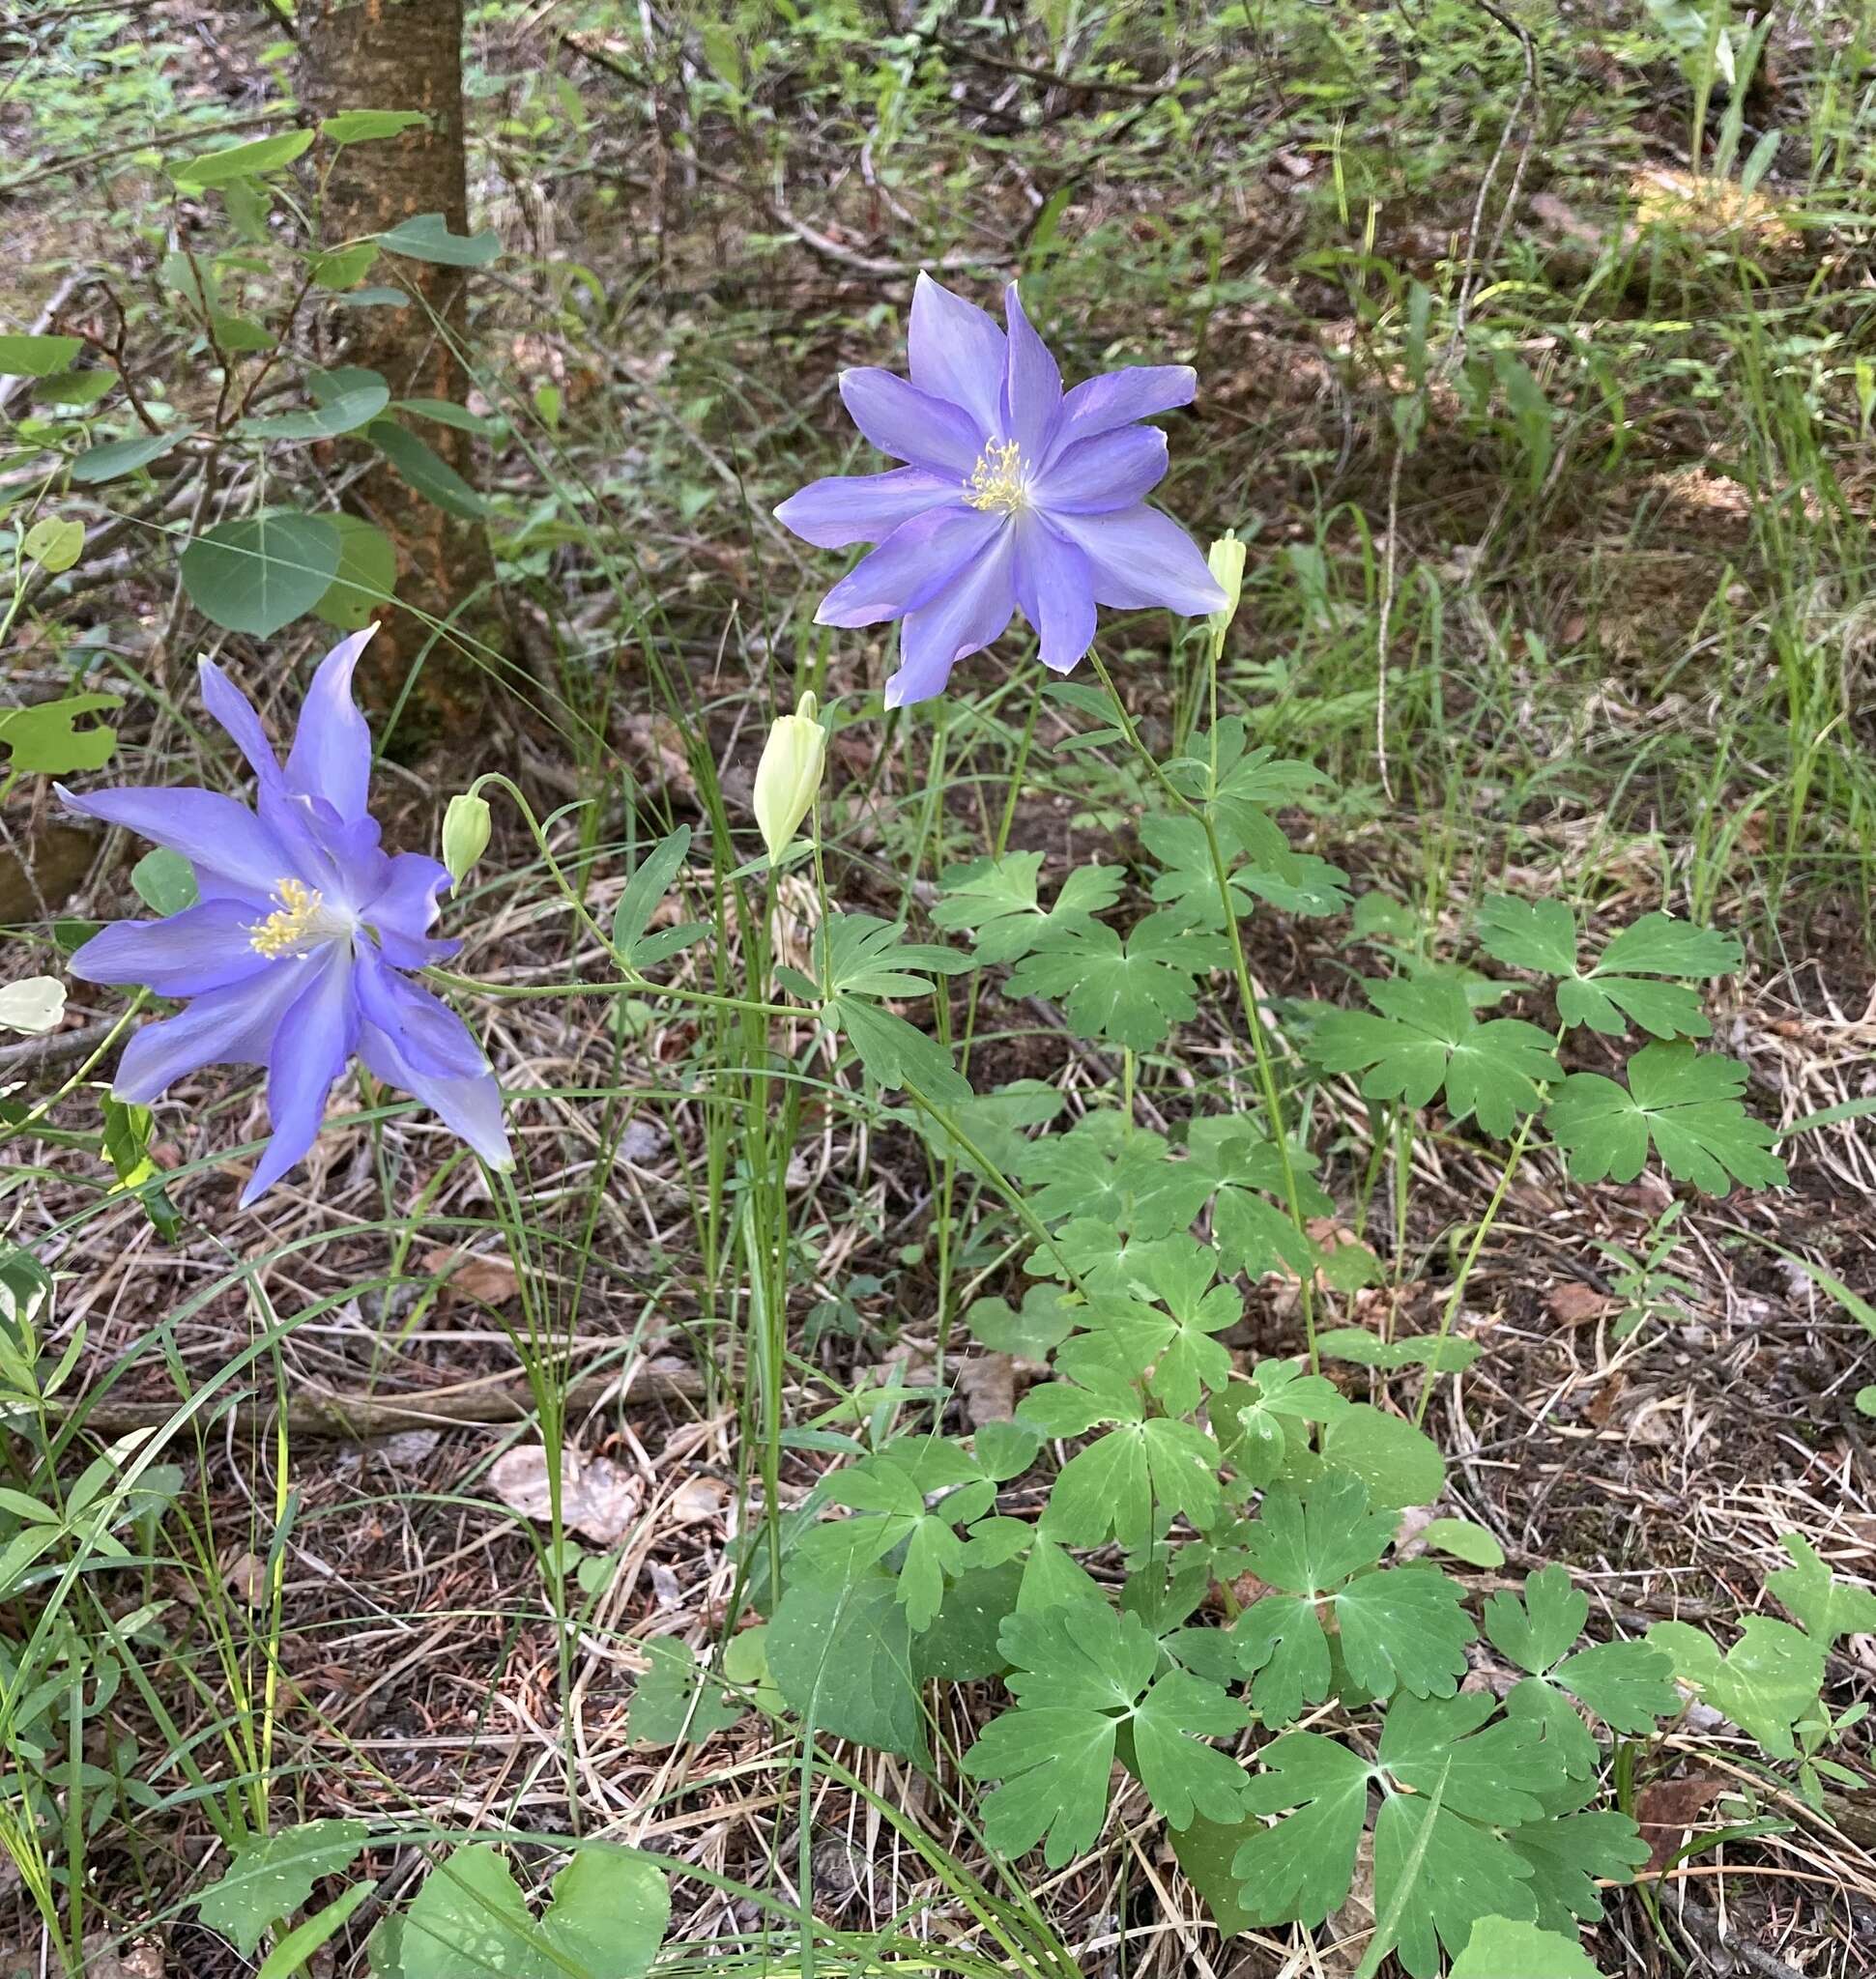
(1267, 1085)
(1247, 994)
(1450, 1312)
(999, 1181)
(630, 985)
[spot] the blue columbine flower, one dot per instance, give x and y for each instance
(293, 956)
(1017, 494)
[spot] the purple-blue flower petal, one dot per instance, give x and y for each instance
(1141, 558)
(1113, 470)
(1098, 405)
(1033, 385)
(962, 619)
(911, 425)
(1055, 589)
(405, 907)
(235, 855)
(204, 947)
(236, 713)
(231, 1026)
(413, 1041)
(862, 509)
(911, 567)
(956, 352)
(312, 1045)
(331, 749)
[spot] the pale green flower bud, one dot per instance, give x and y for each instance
(789, 775)
(1226, 557)
(465, 835)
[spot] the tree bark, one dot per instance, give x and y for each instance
(407, 55)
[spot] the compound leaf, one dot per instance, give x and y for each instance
(1514, 1948)
(1301, 1869)
(1132, 992)
(996, 899)
(1425, 1039)
(1686, 1102)
(1827, 1607)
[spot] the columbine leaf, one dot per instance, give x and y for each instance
(1436, 1875)
(1404, 1627)
(1309, 1543)
(1183, 1777)
(1425, 1039)
(1249, 1418)
(1542, 935)
(676, 1701)
(47, 738)
(1044, 1321)
(1181, 1273)
(895, 1053)
(1827, 1607)
(1231, 1167)
(1399, 1626)
(1133, 992)
(1765, 1683)
(1568, 1852)
(1628, 1685)
(1301, 1869)
(1536, 1633)
(1313, 887)
(1443, 1355)
(889, 1491)
(1498, 1774)
(1102, 1168)
(996, 899)
(1075, 1671)
(273, 1875)
(862, 953)
(1514, 1948)
(1685, 1102)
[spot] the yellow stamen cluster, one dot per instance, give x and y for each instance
(1001, 479)
(281, 933)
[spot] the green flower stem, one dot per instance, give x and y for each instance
(628, 985)
(1247, 994)
(1450, 1312)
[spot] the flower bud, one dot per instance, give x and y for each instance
(465, 835)
(1226, 558)
(789, 775)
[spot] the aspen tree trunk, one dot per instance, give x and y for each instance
(407, 55)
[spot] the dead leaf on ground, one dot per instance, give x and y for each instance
(1572, 1303)
(246, 1575)
(1666, 1809)
(143, 1960)
(490, 1279)
(598, 1498)
(697, 1498)
(986, 1385)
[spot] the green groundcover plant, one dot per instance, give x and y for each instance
(1201, 1581)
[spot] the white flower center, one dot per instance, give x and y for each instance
(1001, 479)
(301, 922)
